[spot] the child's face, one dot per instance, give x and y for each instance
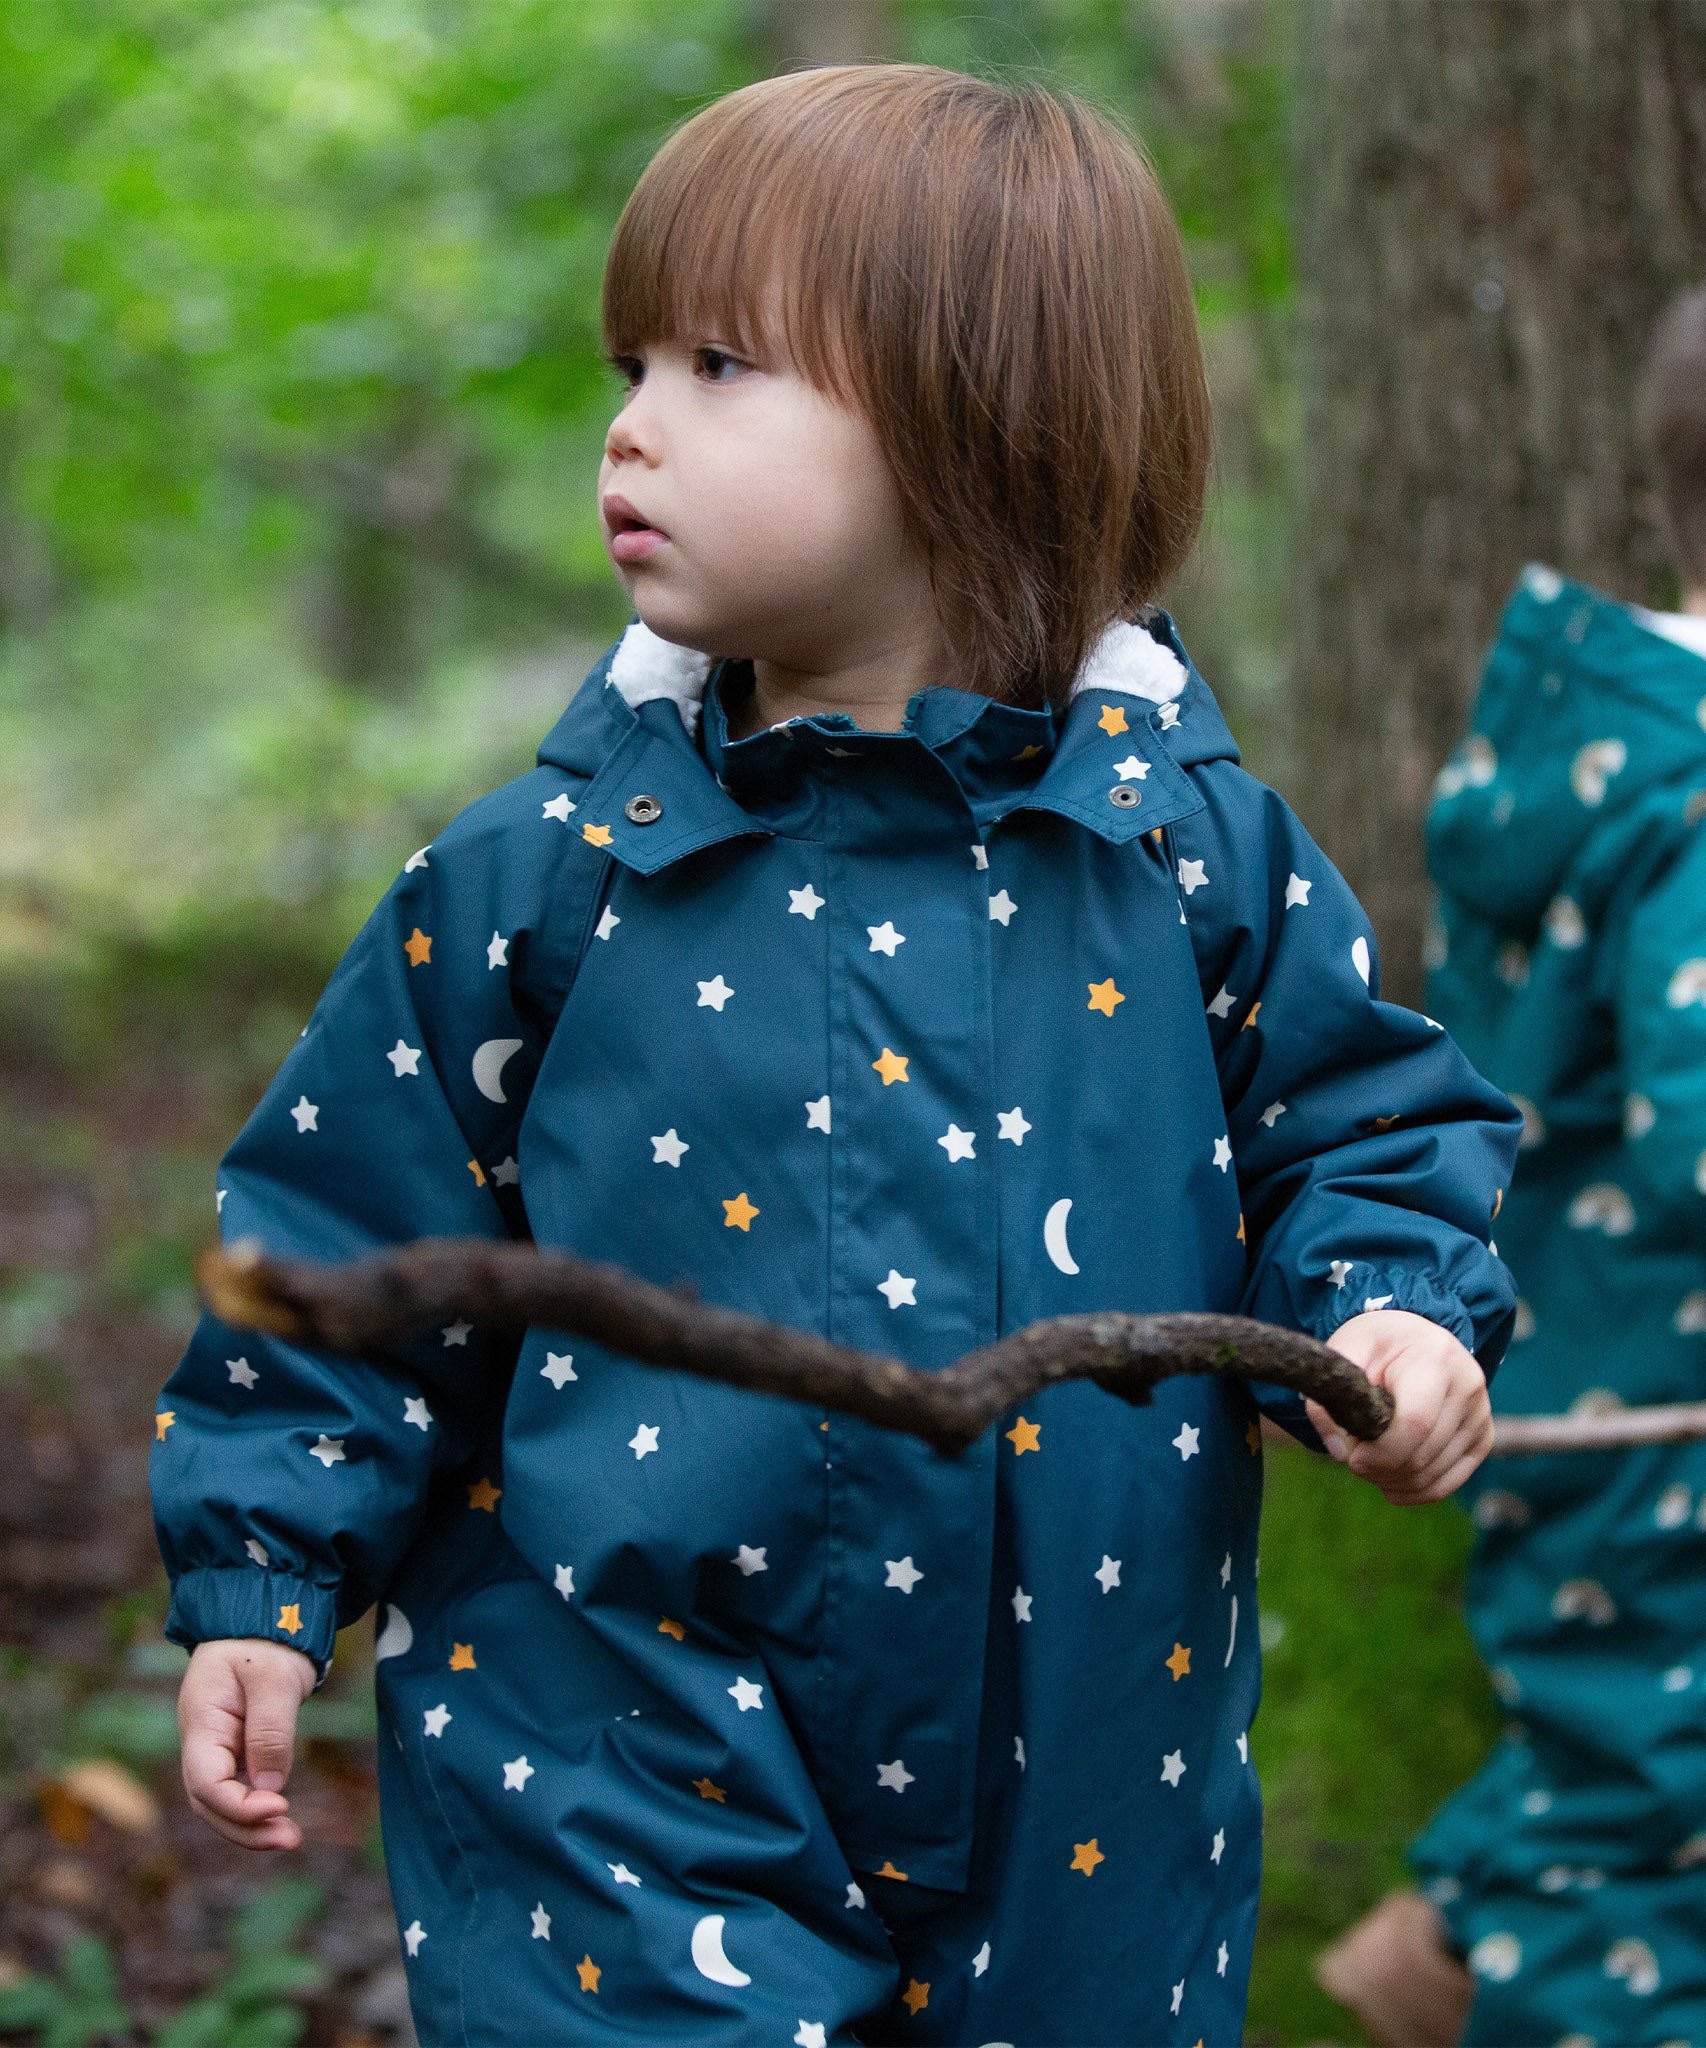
(750, 515)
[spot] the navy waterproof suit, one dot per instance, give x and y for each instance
(714, 1718)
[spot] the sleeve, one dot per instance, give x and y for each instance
(1661, 1028)
(1371, 1157)
(287, 1483)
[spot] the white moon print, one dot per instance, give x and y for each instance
(1054, 1235)
(396, 1639)
(489, 1067)
(708, 1957)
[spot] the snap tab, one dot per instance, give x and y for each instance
(642, 810)
(1125, 796)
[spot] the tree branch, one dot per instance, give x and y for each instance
(1522, 1436)
(374, 1303)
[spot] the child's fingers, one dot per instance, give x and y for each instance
(251, 1819)
(272, 1694)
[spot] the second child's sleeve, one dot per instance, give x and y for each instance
(1371, 1157)
(288, 1482)
(1660, 1001)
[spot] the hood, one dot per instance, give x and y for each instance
(1585, 715)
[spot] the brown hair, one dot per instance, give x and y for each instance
(992, 275)
(1673, 425)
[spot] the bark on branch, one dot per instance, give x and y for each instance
(375, 1303)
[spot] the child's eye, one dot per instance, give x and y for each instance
(629, 368)
(714, 362)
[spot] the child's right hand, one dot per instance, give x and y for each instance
(237, 1712)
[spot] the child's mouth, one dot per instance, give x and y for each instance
(632, 539)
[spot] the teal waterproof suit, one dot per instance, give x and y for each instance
(1568, 845)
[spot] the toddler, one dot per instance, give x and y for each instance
(889, 944)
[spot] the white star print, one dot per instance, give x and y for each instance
(884, 937)
(1272, 1114)
(1107, 1574)
(456, 1333)
(559, 807)
(1131, 768)
(306, 1114)
(1013, 1125)
(219, 1200)
(817, 1114)
(558, 1367)
(899, 1290)
(1226, 1569)
(405, 1059)
(980, 856)
(746, 1695)
(1172, 1767)
(1192, 876)
(437, 1719)
(1296, 890)
(713, 994)
(751, 1560)
(415, 1410)
(1019, 1751)
(1341, 1272)
(1168, 717)
(1178, 1995)
(980, 1962)
(1219, 1849)
(1001, 908)
(621, 1873)
(417, 860)
(1222, 1958)
(541, 1922)
(668, 1150)
(506, 1174)
(1223, 1153)
(413, 1935)
(1185, 1443)
(563, 1577)
(805, 903)
(902, 1572)
(855, 1898)
(1244, 1747)
(258, 1551)
(497, 951)
(894, 1777)
(607, 923)
(644, 1440)
(811, 2034)
(1381, 1300)
(1021, 1604)
(1221, 1005)
(243, 1374)
(516, 1775)
(329, 1450)
(957, 1143)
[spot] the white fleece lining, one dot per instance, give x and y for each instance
(1125, 659)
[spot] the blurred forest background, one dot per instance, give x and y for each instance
(300, 406)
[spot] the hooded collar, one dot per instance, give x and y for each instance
(635, 729)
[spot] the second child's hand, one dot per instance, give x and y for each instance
(1443, 1425)
(237, 1712)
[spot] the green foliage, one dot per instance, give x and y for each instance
(79, 2005)
(250, 2004)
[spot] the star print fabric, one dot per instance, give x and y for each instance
(909, 1038)
(1571, 964)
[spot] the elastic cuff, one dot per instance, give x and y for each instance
(1417, 1293)
(217, 1602)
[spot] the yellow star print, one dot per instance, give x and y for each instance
(475, 1169)
(1025, 1436)
(483, 1494)
(290, 1619)
(163, 1422)
(1179, 1663)
(1104, 995)
(706, 1790)
(589, 1973)
(418, 946)
(666, 1627)
(1384, 1123)
(1086, 1855)
(1027, 753)
(1255, 1012)
(916, 1996)
(1112, 719)
(892, 1066)
(1253, 1437)
(899, 1876)
(738, 1214)
(462, 1657)
(1241, 1237)
(599, 835)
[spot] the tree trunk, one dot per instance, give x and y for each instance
(1496, 198)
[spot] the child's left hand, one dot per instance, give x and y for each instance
(1443, 1427)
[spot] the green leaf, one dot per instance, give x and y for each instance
(275, 1917)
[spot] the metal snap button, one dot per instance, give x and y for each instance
(1125, 796)
(642, 810)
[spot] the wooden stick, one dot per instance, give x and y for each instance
(1615, 1429)
(374, 1303)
